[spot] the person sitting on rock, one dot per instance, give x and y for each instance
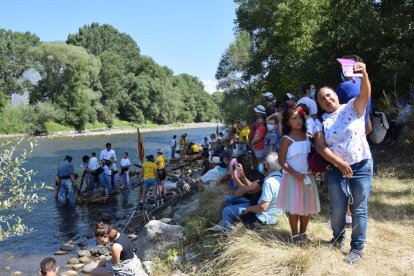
(124, 261)
(48, 267)
(211, 178)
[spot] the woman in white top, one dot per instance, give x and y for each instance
(341, 140)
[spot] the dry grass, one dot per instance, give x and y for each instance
(267, 251)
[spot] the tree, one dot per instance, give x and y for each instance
(16, 188)
(70, 78)
(14, 58)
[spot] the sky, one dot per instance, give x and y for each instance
(188, 36)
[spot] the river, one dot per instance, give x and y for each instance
(52, 224)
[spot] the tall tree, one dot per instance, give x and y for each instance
(14, 58)
(69, 79)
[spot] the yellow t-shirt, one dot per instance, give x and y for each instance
(244, 135)
(236, 127)
(182, 142)
(160, 162)
(195, 149)
(149, 170)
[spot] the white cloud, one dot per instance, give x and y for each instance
(210, 86)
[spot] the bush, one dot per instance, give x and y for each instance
(12, 120)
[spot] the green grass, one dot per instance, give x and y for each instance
(53, 127)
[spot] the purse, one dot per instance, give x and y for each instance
(379, 127)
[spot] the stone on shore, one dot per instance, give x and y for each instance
(73, 261)
(167, 220)
(155, 237)
(69, 273)
(185, 211)
(147, 265)
(84, 260)
(61, 252)
(67, 247)
(17, 273)
(168, 212)
(84, 253)
(132, 237)
(178, 260)
(88, 267)
(189, 256)
(78, 267)
(100, 250)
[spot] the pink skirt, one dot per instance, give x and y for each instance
(296, 198)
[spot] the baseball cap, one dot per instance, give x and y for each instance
(268, 95)
(260, 109)
(290, 96)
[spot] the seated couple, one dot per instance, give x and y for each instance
(257, 192)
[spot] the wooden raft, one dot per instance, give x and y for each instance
(171, 166)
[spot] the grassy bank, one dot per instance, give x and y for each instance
(268, 251)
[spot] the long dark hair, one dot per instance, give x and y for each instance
(285, 121)
(103, 230)
(250, 165)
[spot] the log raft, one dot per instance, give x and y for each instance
(173, 165)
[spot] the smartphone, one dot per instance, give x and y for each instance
(234, 167)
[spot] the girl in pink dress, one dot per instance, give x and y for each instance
(298, 194)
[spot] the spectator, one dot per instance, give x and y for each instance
(107, 153)
(173, 145)
(274, 133)
(258, 142)
(308, 91)
(149, 174)
(269, 106)
(48, 267)
(260, 111)
(212, 177)
(289, 100)
(125, 164)
(65, 173)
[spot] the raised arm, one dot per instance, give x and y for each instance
(361, 101)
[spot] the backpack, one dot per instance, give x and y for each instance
(317, 164)
(379, 127)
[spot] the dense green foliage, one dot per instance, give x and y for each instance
(14, 59)
(280, 45)
(98, 77)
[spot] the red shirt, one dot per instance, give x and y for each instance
(261, 132)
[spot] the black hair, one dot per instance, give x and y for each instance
(76, 176)
(93, 153)
(304, 107)
(285, 121)
(126, 153)
(108, 144)
(306, 86)
(48, 264)
(175, 136)
(249, 164)
(85, 158)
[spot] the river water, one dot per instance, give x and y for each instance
(52, 224)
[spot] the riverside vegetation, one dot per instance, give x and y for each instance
(97, 77)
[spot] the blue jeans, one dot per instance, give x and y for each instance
(125, 179)
(360, 186)
(231, 214)
(115, 180)
(108, 183)
(100, 178)
(150, 182)
(66, 192)
(235, 200)
(173, 152)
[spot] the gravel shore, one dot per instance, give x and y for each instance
(122, 131)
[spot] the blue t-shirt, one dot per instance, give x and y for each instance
(65, 169)
(270, 192)
(272, 138)
(349, 90)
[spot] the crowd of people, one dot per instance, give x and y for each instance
(268, 165)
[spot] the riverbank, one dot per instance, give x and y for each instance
(117, 131)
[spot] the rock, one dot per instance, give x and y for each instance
(82, 242)
(73, 261)
(84, 260)
(71, 242)
(178, 260)
(185, 211)
(104, 258)
(100, 250)
(147, 265)
(78, 267)
(167, 220)
(88, 267)
(132, 237)
(69, 273)
(67, 247)
(155, 237)
(189, 256)
(120, 215)
(17, 273)
(60, 252)
(84, 253)
(168, 212)
(68, 266)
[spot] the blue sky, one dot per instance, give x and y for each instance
(189, 36)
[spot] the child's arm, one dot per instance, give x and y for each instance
(282, 159)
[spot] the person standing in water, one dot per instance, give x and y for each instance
(173, 145)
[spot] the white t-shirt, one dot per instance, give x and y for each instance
(93, 164)
(173, 143)
(311, 104)
(125, 162)
(107, 170)
(213, 176)
(270, 193)
(344, 132)
(106, 155)
(310, 126)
